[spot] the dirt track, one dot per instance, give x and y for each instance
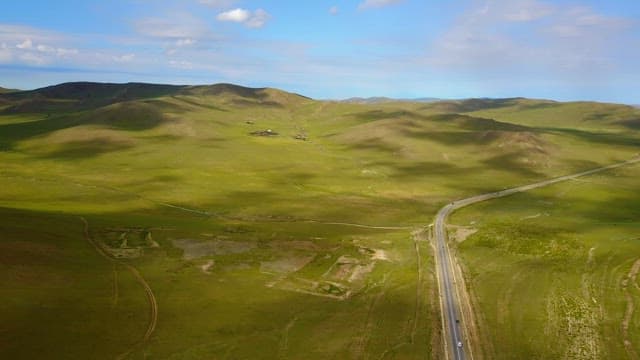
(153, 305)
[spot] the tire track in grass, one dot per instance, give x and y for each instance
(630, 280)
(417, 236)
(153, 304)
(284, 342)
(116, 292)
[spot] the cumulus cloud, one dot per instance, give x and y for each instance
(30, 46)
(235, 15)
(26, 44)
(255, 19)
(367, 4)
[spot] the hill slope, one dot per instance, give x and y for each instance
(257, 216)
(5, 90)
(88, 95)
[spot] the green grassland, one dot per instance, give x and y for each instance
(252, 240)
(552, 270)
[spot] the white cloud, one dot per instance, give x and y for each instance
(334, 10)
(126, 58)
(185, 42)
(27, 44)
(235, 15)
(32, 46)
(367, 4)
(62, 52)
(256, 19)
(218, 3)
(45, 48)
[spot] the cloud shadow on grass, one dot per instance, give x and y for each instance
(633, 124)
(83, 149)
(597, 137)
(120, 116)
(511, 162)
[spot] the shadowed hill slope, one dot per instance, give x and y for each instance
(88, 95)
(546, 113)
(96, 92)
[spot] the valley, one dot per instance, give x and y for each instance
(185, 222)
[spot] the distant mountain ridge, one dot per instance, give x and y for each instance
(93, 94)
(88, 95)
(383, 99)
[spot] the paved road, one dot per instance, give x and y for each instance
(454, 324)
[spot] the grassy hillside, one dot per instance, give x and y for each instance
(560, 263)
(256, 216)
(5, 90)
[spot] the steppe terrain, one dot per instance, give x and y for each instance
(187, 222)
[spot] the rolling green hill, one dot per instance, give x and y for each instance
(255, 216)
(5, 90)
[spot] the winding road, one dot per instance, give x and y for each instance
(450, 283)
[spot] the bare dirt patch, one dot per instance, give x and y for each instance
(287, 264)
(295, 244)
(379, 254)
(194, 249)
(206, 267)
(328, 289)
(130, 253)
(460, 233)
(360, 272)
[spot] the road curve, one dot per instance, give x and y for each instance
(447, 282)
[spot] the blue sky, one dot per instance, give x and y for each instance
(563, 50)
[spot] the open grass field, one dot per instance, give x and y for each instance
(272, 226)
(554, 271)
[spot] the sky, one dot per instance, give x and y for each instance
(560, 49)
